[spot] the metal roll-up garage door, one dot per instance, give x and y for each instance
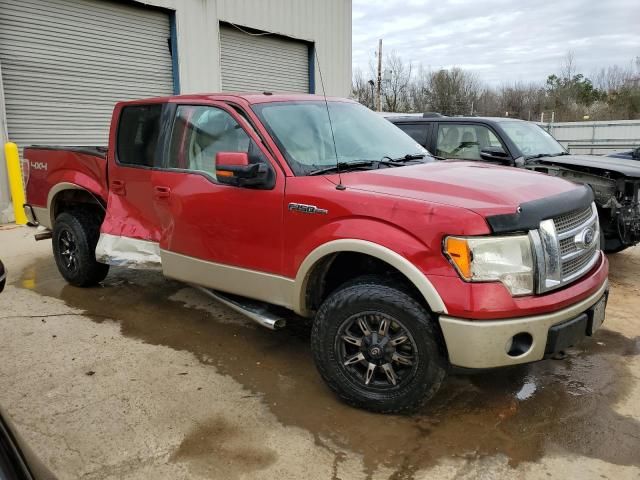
(258, 63)
(65, 63)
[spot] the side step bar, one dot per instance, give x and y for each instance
(259, 312)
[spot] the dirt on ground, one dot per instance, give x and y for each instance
(144, 377)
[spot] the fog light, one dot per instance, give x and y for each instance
(519, 344)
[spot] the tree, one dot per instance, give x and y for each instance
(452, 92)
(614, 92)
(361, 90)
(396, 90)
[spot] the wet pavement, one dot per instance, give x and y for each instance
(517, 411)
(522, 414)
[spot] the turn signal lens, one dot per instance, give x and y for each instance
(457, 249)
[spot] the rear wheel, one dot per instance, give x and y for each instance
(75, 236)
(376, 347)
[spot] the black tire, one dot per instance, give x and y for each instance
(3, 276)
(75, 236)
(372, 299)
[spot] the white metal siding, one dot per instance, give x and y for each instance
(618, 135)
(326, 23)
(251, 63)
(66, 62)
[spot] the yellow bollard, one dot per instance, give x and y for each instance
(15, 181)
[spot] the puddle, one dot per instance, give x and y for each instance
(520, 412)
(232, 447)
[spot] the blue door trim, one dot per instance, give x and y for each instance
(312, 67)
(175, 68)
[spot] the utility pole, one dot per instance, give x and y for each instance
(472, 108)
(379, 75)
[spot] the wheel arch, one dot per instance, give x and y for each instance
(320, 259)
(66, 193)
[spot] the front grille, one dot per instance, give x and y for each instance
(571, 220)
(575, 264)
(567, 246)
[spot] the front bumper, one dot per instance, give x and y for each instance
(485, 344)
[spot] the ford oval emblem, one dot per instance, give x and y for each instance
(585, 238)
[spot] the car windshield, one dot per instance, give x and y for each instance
(532, 140)
(303, 134)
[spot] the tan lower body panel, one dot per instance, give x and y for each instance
(240, 281)
(484, 344)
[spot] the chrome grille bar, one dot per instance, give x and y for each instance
(566, 247)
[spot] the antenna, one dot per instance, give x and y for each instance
(340, 186)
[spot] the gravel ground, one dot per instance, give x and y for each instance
(147, 378)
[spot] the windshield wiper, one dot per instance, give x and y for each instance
(343, 166)
(540, 155)
(386, 161)
(405, 158)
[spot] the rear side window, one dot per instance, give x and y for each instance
(138, 133)
(417, 131)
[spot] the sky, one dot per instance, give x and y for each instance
(502, 41)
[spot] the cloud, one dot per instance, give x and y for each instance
(501, 40)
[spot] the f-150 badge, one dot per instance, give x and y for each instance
(302, 208)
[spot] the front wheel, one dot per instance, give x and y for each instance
(376, 347)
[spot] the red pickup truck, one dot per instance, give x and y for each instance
(407, 266)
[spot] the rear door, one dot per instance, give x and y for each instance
(131, 224)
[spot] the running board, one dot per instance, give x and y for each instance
(259, 312)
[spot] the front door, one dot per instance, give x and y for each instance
(221, 236)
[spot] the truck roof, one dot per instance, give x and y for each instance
(413, 119)
(251, 98)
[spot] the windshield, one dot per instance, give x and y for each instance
(302, 132)
(532, 140)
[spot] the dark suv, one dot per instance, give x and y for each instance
(615, 182)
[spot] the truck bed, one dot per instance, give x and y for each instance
(46, 166)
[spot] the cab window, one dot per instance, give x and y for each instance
(138, 132)
(200, 132)
(464, 141)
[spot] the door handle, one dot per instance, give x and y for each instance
(117, 187)
(162, 192)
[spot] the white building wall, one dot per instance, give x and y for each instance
(327, 23)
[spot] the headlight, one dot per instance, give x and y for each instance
(494, 259)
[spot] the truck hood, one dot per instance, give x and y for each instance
(629, 168)
(483, 188)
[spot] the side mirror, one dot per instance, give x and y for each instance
(635, 154)
(495, 154)
(233, 168)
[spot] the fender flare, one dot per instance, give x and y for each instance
(415, 276)
(55, 190)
